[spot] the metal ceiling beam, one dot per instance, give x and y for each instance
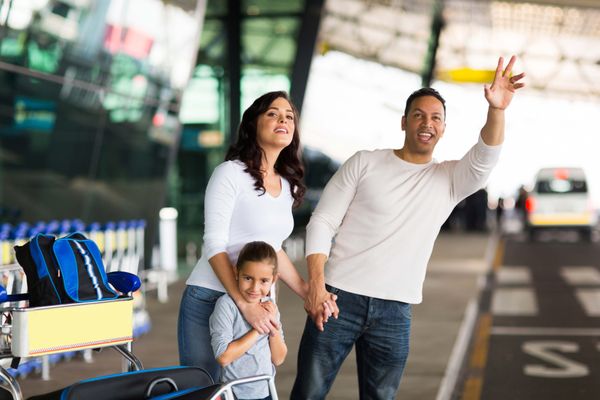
(437, 24)
(233, 71)
(307, 38)
(561, 3)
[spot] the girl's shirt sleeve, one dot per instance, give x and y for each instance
(221, 327)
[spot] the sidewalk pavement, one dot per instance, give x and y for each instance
(457, 262)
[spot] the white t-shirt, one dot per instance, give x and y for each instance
(384, 215)
(235, 213)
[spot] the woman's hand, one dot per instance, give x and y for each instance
(271, 307)
(330, 308)
(259, 317)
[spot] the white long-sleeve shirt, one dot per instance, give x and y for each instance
(384, 214)
(235, 213)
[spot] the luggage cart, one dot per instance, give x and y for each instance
(36, 331)
(28, 332)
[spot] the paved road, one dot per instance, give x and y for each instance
(538, 336)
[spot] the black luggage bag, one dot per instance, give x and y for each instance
(136, 385)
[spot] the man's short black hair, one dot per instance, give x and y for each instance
(426, 91)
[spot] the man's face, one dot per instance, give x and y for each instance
(424, 125)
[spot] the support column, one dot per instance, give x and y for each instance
(307, 38)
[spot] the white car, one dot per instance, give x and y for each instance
(560, 200)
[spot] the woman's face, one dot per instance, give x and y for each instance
(275, 127)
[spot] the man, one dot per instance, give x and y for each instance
(385, 208)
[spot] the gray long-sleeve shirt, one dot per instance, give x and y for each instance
(226, 325)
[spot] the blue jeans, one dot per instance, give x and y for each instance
(193, 332)
(380, 329)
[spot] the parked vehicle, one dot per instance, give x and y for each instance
(560, 200)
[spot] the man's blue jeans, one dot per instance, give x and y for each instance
(193, 332)
(381, 331)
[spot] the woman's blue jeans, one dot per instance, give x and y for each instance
(193, 333)
(379, 328)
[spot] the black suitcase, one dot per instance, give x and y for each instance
(136, 385)
(223, 391)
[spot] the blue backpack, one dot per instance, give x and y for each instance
(64, 270)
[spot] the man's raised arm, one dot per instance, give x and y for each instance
(499, 95)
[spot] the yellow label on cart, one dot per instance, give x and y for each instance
(57, 329)
(6, 252)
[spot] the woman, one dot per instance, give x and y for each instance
(249, 197)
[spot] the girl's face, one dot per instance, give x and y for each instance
(255, 279)
(275, 127)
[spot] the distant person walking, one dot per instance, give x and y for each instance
(520, 206)
(375, 226)
(499, 214)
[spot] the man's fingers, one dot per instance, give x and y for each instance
(499, 68)
(509, 67)
(517, 78)
(319, 323)
(317, 316)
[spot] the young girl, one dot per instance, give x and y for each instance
(240, 349)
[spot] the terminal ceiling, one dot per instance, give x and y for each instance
(557, 42)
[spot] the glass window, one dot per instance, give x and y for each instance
(558, 186)
(89, 94)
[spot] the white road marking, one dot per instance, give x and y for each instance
(548, 331)
(590, 301)
(512, 275)
(519, 301)
(580, 275)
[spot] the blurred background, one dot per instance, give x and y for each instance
(114, 113)
(112, 110)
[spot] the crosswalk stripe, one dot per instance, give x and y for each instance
(544, 331)
(512, 275)
(590, 301)
(514, 301)
(580, 275)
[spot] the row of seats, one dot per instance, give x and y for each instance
(121, 242)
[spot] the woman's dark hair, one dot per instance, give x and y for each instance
(246, 148)
(257, 252)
